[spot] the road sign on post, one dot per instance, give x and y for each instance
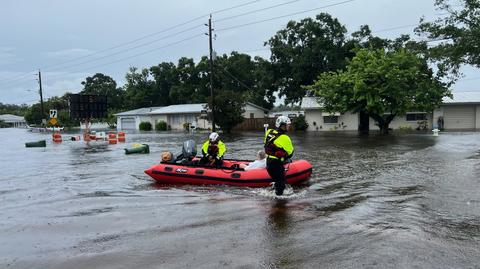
(53, 121)
(53, 113)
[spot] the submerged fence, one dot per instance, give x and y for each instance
(254, 124)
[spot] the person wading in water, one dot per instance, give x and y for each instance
(278, 148)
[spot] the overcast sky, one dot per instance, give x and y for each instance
(70, 40)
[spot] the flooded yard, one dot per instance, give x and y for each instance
(398, 201)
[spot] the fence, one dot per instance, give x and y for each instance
(254, 124)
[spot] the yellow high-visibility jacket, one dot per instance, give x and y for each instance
(221, 149)
(275, 141)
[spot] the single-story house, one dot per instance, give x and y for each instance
(13, 120)
(177, 115)
(129, 120)
(462, 112)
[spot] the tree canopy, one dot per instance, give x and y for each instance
(457, 32)
(305, 49)
(381, 84)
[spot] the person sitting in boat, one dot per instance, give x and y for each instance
(213, 150)
(259, 163)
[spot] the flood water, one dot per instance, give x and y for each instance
(398, 201)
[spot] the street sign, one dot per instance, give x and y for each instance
(53, 113)
(53, 121)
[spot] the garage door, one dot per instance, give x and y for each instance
(459, 117)
(128, 124)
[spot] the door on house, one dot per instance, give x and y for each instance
(128, 124)
(459, 117)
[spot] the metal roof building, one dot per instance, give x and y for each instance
(13, 120)
(462, 112)
(178, 116)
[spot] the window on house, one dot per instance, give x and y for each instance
(330, 119)
(252, 115)
(416, 116)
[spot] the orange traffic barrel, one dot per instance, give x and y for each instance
(57, 137)
(121, 137)
(112, 138)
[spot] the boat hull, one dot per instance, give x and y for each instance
(167, 173)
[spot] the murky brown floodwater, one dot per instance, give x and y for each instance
(403, 201)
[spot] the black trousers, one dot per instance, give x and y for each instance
(277, 172)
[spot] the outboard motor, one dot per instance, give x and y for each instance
(189, 151)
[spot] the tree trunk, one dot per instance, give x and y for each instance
(383, 123)
(383, 127)
(364, 123)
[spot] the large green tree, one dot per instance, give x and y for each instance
(104, 85)
(18, 110)
(381, 85)
(305, 49)
(139, 89)
(186, 82)
(229, 106)
(458, 33)
(33, 114)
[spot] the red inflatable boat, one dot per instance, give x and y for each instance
(171, 173)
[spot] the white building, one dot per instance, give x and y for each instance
(177, 115)
(129, 120)
(13, 120)
(460, 113)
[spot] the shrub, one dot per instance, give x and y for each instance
(300, 124)
(161, 126)
(145, 126)
(186, 126)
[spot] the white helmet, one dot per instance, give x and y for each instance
(213, 136)
(282, 120)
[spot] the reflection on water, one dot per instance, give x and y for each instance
(398, 201)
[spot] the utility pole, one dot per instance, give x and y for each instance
(212, 96)
(41, 94)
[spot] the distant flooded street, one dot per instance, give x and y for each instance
(398, 201)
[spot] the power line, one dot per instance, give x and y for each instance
(15, 78)
(283, 16)
(138, 54)
(135, 47)
(255, 11)
(395, 28)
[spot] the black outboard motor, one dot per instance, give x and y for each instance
(189, 151)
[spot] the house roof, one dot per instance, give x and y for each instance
(458, 98)
(180, 109)
(137, 112)
(310, 103)
(11, 118)
(256, 106)
(174, 109)
(463, 97)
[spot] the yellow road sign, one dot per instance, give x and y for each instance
(53, 121)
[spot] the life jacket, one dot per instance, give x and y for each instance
(212, 149)
(271, 149)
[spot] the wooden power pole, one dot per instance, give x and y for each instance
(41, 94)
(212, 95)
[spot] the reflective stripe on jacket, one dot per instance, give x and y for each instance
(280, 141)
(207, 150)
